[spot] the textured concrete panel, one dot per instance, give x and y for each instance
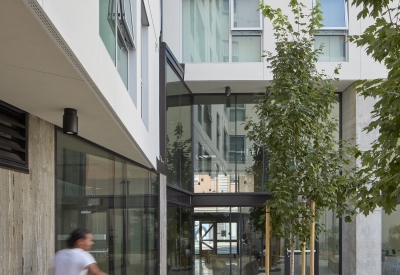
(163, 224)
(361, 239)
(27, 207)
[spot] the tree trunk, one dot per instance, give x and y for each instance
(292, 243)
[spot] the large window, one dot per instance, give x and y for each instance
(116, 31)
(230, 32)
(333, 34)
(179, 119)
(390, 241)
(114, 198)
(236, 149)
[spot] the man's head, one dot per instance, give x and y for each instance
(80, 238)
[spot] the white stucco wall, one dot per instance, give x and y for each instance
(358, 66)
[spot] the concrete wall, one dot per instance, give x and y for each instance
(27, 207)
(361, 239)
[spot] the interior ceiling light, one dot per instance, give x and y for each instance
(70, 121)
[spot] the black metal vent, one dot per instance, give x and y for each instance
(13, 138)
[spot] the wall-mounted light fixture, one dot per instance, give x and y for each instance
(70, 121)
(227, 91)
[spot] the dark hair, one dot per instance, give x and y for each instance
(77, 234)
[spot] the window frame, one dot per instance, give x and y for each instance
(336, 31)
(226, 52)
(236, 152)
(346, 18)
(231, 16)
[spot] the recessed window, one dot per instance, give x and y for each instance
(116, 32)
(333, 34)
(245, 15)
(334, 47)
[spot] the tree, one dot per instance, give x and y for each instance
(380, 173)
(296, 129)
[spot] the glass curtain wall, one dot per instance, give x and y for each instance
(113, 198)
(225, 160)
(391, 241)
(228, 240)
(179, 120)
(179, 240)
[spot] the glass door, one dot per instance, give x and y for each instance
(207, 239)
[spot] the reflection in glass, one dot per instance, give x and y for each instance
(390, 241)
(334, 47)
(107, 26)
(205, 29)
(246, 48)
(178, 132)
(226, 161)
(113, 198)
(329, 244)
(227, 241)
(246, 14)
(333, 13)
(179, 250)
(122, 62)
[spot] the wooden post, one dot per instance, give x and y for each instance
(303, 252)
(303, 259)
(312, 238)
(267, 238)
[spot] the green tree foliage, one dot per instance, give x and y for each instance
(295, 126)
(178, 158)
(380, 171)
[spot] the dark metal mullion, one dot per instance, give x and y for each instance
(207, 231)
(125, 215)
(230, 239)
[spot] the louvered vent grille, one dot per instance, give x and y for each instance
(13, 137)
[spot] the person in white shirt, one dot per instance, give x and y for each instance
(76, 260)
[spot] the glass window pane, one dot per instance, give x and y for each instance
(246, 14)
(390, 241)
(205, 28)
(329, 244)
(88, 179)
(334, 49)
(178, 132)
(246, 48)
(107, 26)
(333, 13)
(122, 62)
(128, 15)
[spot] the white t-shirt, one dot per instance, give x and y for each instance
(72, 262)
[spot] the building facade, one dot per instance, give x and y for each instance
(161, 171)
